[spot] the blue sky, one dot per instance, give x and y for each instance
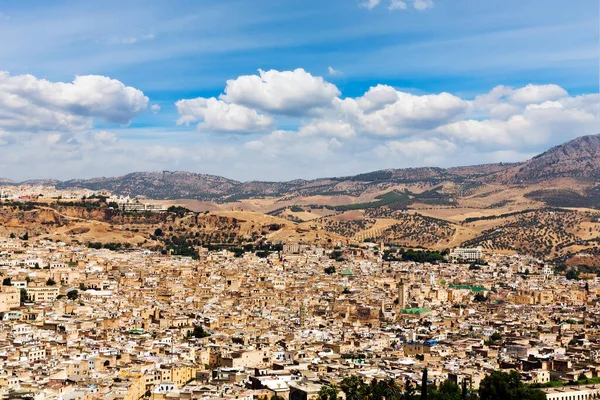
(162, 53)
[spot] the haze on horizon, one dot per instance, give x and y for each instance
(282, 90)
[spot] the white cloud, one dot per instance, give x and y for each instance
(334, 72)
(537, 94)
(292, 93)
(29, 103)
(220, 116)
(421, 152)
(340, 129)
(104, 137)
(129, 39)
(53, 138)
(419, 5)
(155, 108)
(6, 138)
(371, 4)
(398, 5)
(254, 145)
(377, 97)
(381, 112)
(533, 126)
(422, 4)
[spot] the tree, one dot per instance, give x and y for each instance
(480, 298)
(276, 397)
(158, 232)
(448, 390)
(24, 296)
(354, 388)
(502, 386)
(330, 270)
(495, 337)
(198, 332)
(50, 282)
(73, 294)
(6, 282)
(328, 393)
(572, 274)
(424, 385)
(25, 236)
(409, 392)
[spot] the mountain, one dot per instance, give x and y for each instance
(578, 159)
(547, 207)
(158, 185)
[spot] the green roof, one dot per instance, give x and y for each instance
(416, 311)
(347, 271)
(468, 287)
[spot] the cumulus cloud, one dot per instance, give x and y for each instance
(292, 93)
(6, 138)
(29, 103)
(340, 129)
(537, 94)
(386, 123)
(371, 4)
(533, 125)
(422, 4)
(334, 72)
(220, 116)
(104, 137)
(420, 152)
(155, 108)
(383, 111)
(398, 5)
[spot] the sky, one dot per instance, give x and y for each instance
(278, 90)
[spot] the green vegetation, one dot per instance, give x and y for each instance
(572, 274)
(329, 393)
(178, 210)
(418, 256)
(24, 296)
(383, 200)
(329, 270)
(73, 295)
(336, 255)
(198, 332)
(507, 386)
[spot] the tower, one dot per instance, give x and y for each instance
(401, 294)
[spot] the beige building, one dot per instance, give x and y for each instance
(42, 294)
(10, 298)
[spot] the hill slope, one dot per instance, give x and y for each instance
(578, 159)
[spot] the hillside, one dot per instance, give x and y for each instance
(545, 207)
(578, 159)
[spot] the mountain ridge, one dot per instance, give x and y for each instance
(577, 159)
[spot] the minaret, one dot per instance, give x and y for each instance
(401, 295)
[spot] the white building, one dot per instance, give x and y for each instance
(467, 254)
